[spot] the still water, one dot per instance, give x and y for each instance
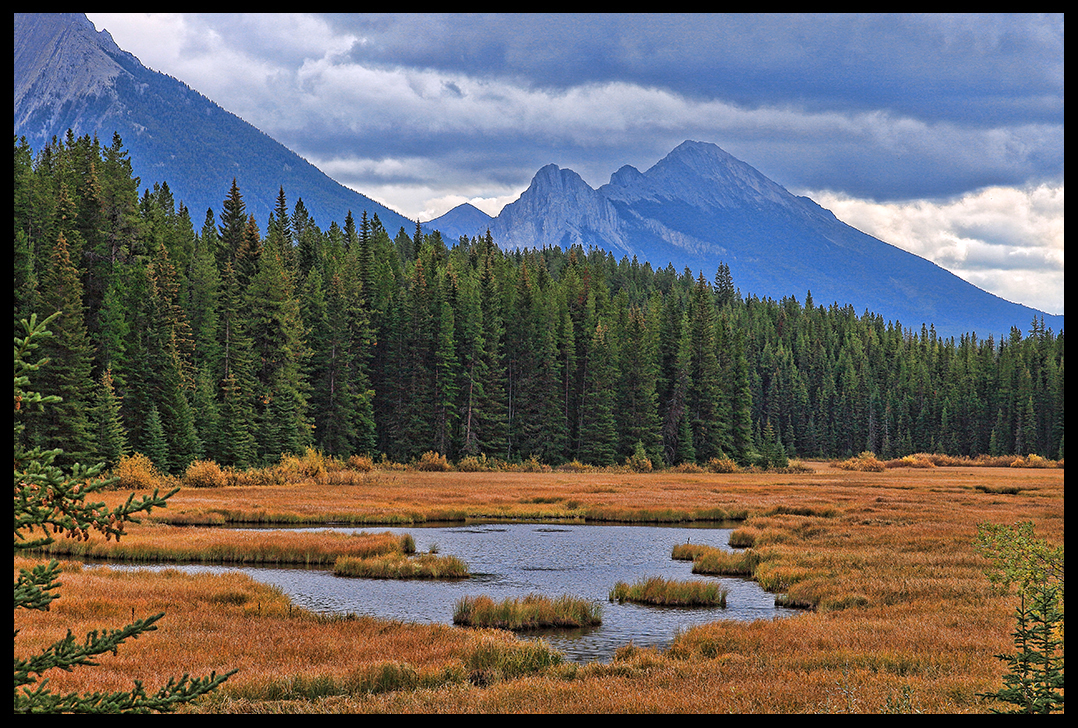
(514, 559)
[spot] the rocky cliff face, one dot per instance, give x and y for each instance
(63, 68)
(559, 208)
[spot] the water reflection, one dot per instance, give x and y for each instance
(513, 559)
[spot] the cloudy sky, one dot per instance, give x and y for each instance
(940, 134)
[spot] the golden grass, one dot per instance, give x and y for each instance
(226, 621)
(900, 614)
(658, 591)
(533, 611)
(400, 566)
(155, 542)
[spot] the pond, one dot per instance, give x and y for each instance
(514, 559)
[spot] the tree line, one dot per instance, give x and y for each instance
(226, 340)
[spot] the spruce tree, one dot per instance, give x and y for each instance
(598, 432)
(277, 339)
(108, 425)
(1034, 680)
(706, 407)
(637, 412)
(68, 371)
(50, 501)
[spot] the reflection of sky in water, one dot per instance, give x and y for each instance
(513, 559)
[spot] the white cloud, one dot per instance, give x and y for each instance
(1006, 240)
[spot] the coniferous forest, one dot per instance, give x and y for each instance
(187, 335)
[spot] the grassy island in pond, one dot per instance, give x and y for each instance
(401, 566)
(670, 593)
(531, 612)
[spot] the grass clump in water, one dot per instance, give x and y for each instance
(400, 566)
(531, 612)
(665, 592)
(717, 562)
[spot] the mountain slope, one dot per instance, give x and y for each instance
(700, 206)
(68, 75)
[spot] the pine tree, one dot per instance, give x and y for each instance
(637, 412)
(108, 424)
(445, 364)
(598, 433)
(233, 227)
(275, 329)
(738, 393)
(706, 407)
(68, 372)
(154, 444)
(50, 501)
(1034, 681)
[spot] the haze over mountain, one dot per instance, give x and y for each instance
(70, 76)
(700, 206)
(696, 208)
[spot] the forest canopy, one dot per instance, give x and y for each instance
(188, 335)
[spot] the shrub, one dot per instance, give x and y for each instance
(866, 462)
(531, 465)
(137, 472)
(433, 462)
(911, 461)
(639, 461)
(722, 465)
(205, 474)
(362, 463)
(312, 464)
(476, 464)
(1032, 461)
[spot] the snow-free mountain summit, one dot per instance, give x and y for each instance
(700, 206)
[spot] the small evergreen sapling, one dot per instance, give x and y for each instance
(49, 501)
(1034, 680)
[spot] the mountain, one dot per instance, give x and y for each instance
(68, 75)
(699, 206)
(463, 219)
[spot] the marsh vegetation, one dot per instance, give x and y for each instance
(898, 611)
(533, 611)
(664, 592)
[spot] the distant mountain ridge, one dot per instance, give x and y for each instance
(700, 206)
(69, 75)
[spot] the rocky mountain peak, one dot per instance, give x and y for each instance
(62, 65)
(709, 176)
(626, 176)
